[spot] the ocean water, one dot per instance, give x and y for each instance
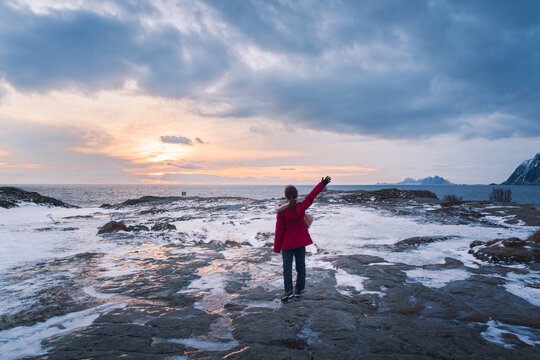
(95, 195)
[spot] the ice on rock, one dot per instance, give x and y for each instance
(200, 344)
(345, 280)
(524, 286)
(436, 278)
(26, 340)
(495, 331)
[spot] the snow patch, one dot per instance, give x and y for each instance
(26, 340)
(437, 278)
(524, 286)
(200, 344)
(495, 330)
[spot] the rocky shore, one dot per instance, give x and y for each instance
(393, 318)
(197, 279)
(11, 197)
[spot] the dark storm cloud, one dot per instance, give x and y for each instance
(171, 139)
(386, 68)
(467, 67)
(92, 51)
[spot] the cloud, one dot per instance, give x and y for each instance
(188, 166)
(92, 51)
(388, 69)
(198, 140)
(48, 154)
(171, 139)
(288, 169)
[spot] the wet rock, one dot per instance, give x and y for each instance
(163, 226)
(260, 351)
(182, 323)
(449, 263)
(45, 229)
(137, 228)
(69, 228)
(112, 226)
(134, 314)
(264, 236)
(514, 250)
(508, 254)
(145, 200)
(152, 211)
(406, 337)
(7, 204)
(485, 295)
(383, 195)
(12, 196)
(232, 243)
(79, 217)
(416, 241)
(335, 327)
(476, 243)
(513, 242)
(260, 328)
(535, 238)
(512, 339)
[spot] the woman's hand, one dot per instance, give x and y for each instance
(326, 180)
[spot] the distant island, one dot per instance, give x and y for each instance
(527, 173)
(435, 180)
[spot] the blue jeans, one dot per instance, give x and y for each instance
(299, 255)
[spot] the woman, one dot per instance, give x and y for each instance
(292, 237)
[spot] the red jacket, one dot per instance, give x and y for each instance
(291, 231)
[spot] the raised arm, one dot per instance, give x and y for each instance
(313, 194)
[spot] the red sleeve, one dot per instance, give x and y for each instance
(280, 231)
(312, 195)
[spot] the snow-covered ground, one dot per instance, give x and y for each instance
(33, 236)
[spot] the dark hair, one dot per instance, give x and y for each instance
(291, 194)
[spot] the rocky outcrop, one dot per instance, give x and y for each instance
(144, 201)
(163, 226)
(512, 250)
(112, 226)
(10, 197)
(137, 228)
(528, 173)
(383, 195)
(416, 241)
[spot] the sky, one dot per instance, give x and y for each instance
(267, 92)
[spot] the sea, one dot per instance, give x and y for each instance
(94, 195)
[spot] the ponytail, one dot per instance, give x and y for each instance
(291, 193)
(292, 204)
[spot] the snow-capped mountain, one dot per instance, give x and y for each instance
(435, 180)
(528, 173)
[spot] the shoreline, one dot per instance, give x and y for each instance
(386, 278)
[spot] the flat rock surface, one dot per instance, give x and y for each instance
(168, 311)
(398, 282)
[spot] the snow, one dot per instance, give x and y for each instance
(346, 281)
(436, 278)
(496, 329)
(200, 344)
(338, 230)
(524, 286)
(26, 340)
